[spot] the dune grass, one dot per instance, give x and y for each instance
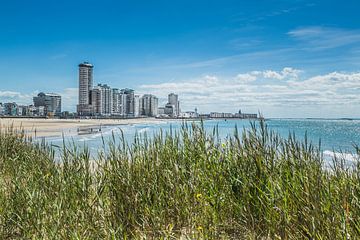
(187, 184)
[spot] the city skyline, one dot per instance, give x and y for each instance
(284, 59)
(104, 100)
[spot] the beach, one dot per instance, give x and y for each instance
(36, 127)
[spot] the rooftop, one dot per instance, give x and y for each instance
(86, 64)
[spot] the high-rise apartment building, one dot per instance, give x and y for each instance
(106, 99)
(136, 106)
(51, 103)
(173, 99)
(96, 101)
(123, 104)
(129, 104)
(149, 105)
(101, 100)
(85, 86)
(116, 102)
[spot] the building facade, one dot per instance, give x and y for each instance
(102, 100)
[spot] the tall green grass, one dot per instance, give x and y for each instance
(185, 184)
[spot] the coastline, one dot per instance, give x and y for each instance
(37, 127)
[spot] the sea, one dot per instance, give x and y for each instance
(335, 137)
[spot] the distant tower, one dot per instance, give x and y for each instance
(173, 99)
(85, 87)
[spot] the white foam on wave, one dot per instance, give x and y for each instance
(83, 139)
(140, 131)
(350, 157)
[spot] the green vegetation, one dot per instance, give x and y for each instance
(186, 184)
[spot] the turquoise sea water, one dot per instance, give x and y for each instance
(335, 135)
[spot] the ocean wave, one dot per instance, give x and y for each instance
(350, 157)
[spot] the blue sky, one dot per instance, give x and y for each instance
(284, 58)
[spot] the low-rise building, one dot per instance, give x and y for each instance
(170, 110)
(10, 109)
(36, 111)
(161, 110)
(50, 101)
(189, 114)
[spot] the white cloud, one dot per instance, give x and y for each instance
(11, 96)
(318, 38)
(246, 77)
(286, 73)
(69, 98)
(272, 74)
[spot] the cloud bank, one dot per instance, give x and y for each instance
(285, 90)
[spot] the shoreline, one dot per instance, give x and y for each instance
(40, 127)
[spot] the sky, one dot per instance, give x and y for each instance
(282, 58)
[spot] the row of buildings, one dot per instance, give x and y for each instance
(103, 101)
(232, 115)
(45, 104)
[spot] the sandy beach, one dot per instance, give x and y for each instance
(58, 127)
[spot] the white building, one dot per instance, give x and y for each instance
(106, 99)
(116, 103)
(189, 114)
(136, 106)
(102, 100)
